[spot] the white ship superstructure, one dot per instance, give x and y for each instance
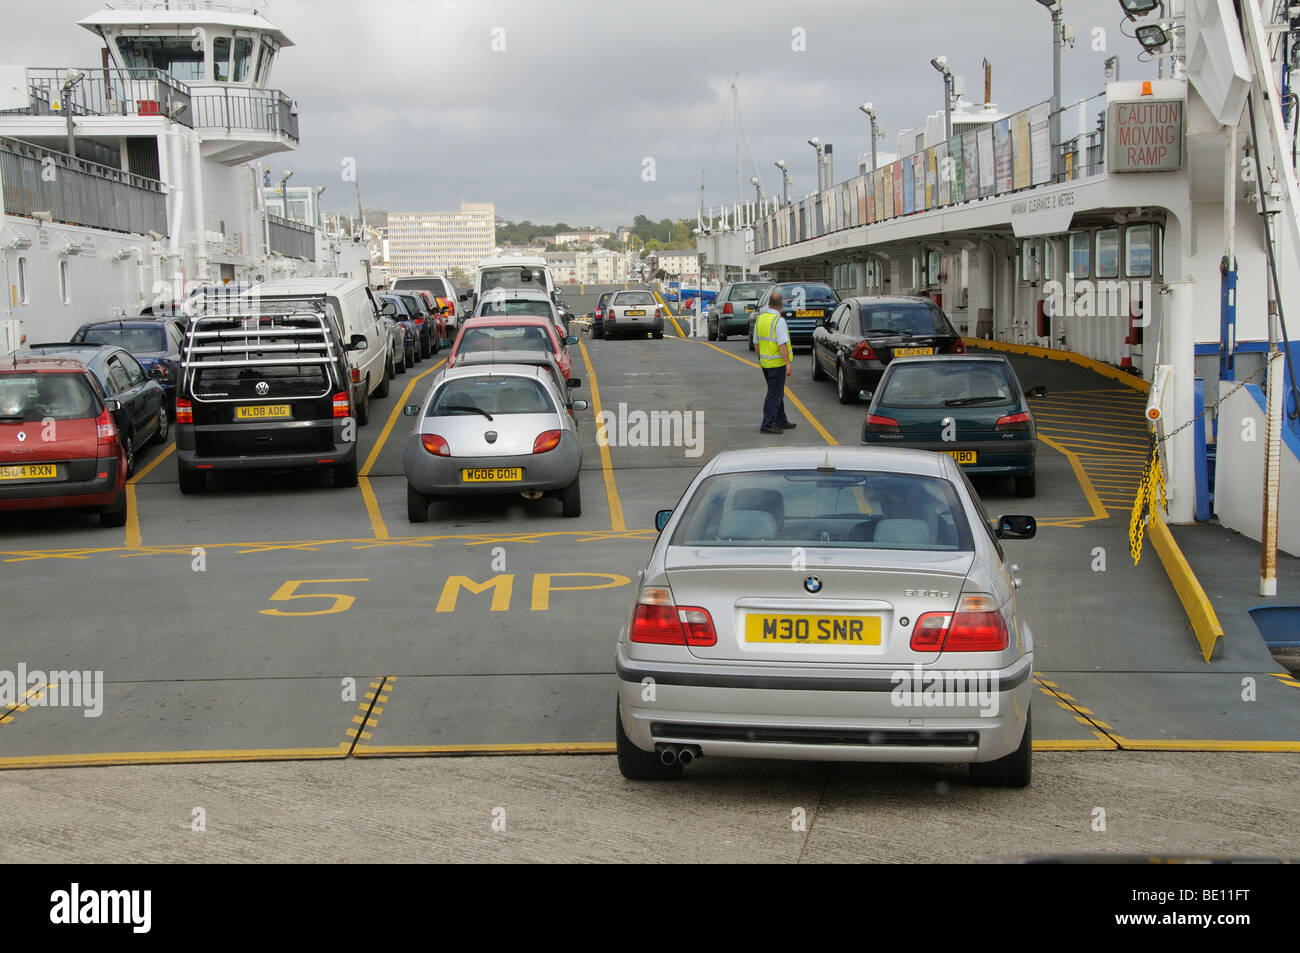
(127, 183)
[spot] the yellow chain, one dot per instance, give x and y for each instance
(1150, 489)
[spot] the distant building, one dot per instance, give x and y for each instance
(675, 264)
(420, 242)
(602, 267)
(579, 238)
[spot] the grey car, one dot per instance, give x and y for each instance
(834, 604)
(502, 428)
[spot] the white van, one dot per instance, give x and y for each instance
(358, 312)
(512, 272)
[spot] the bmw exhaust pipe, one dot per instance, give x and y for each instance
(668, 754)
(686, 754)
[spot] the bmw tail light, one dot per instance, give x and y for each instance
(342, 406)
(435, 444)
(105, 429)
(878, 424)
(658, 620)
(547, 440)
(863, 352)
(184, 411)
(1018, 421)
(977, 626)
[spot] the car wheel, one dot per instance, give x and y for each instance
(363, 410)
(114, 515)
(571, 497)
(382, 390)
(392, 368)
(191, 481)
(400, 367)
(417, 506)
(750, 336)
(818, 373)
(128, 444)
(658, 335)
(638, 765)
(1026, 486)
(842, 391)
(1013, 770)
(345, 474)
(713, 333)
(410, 357)
(164, 426)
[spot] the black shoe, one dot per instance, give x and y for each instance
(775, 430)
(787, 426)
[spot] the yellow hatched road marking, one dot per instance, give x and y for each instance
(133, 540)
(616, 521)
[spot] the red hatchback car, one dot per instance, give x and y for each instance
(504, 336)
(58, 444)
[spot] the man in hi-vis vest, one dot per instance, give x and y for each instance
(772, 339)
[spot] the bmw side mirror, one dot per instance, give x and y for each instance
(580, 405)
(1016, 527)
(571, 339)
(662, 518)
(410, 410)
(1039, 391)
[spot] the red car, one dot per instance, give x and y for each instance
(434, 305)
(59, 446)
(504, 336)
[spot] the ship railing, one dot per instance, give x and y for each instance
(245, 110)
(292, 239)
(104, 91)
(42, 182)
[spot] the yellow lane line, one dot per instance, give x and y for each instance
(807, 414)
(574, 747)
(1099, 512)
(170, 757)
(363, 477)
(616, 521)
(669, 312)
(133, 540)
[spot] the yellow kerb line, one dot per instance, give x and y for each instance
(133, 540)
(616, 521)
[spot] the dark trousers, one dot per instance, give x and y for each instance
(774, 402)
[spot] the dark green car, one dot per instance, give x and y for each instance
(971, 407)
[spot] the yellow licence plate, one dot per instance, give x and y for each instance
(263, 412)
(912, 351)
(749, 307)
(634, 314)
(31, 471)
(809, 314)
(812, 629)
(962, 456)
(492, 475)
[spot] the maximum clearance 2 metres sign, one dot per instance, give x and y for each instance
(1145, 136)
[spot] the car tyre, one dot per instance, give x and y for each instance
(713, 333)
(363, 410)
(638, 765)
(842, 391)
(750, 336)
(817, 373)
(658, 335)
(382, 390)
(191, 481)
(571, 497)
(128, 444)
(1027, 485)
(426, 350)
(400, 368)
(1012, 771)
(164, 426)
(417, 506)
(114, 515)
(345, 474)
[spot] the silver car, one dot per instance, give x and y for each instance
(634, 312)
(514, 302)
(841, 604)
(493, 429)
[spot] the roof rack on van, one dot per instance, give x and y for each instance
(300, 336)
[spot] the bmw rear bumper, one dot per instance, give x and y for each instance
(740, 711)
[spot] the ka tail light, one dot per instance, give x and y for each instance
(878, 424)
(105, 429)
(657, 619)
(342, 406)
(977, 626)
(547, 440)
(727, 309)
(959, 346)
(1018, 421)
(435, 444)
(184, 411)
(863, 352)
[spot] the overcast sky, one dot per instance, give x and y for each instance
(557, 125)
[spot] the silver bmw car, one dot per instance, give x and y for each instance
(499, 428)
(840, 604)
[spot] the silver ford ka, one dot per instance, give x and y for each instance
(836, 604)
(498, 428)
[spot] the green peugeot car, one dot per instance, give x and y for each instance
(970, 407)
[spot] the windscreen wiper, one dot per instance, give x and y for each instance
(965, 401)
(467, 407)
(12, 418)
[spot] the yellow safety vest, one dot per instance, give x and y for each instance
(769, 355)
